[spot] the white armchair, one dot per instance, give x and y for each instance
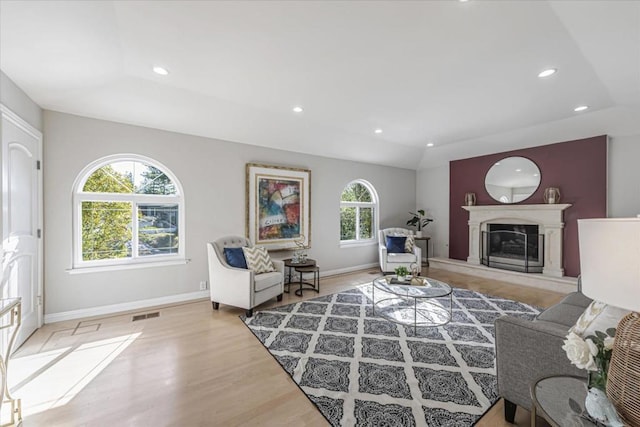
(240, 287)
(390, 261)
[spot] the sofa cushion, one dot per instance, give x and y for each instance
(258, 260)
(395, 244)
(403, 257)
(598, 316)
(266, 280)
(563, 314)
(577, 298)
(235, 257)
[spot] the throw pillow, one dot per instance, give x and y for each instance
(395, 244)
(408, 244)
(598, 316)
(235, 257)
(258, 260)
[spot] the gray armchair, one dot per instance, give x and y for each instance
(529, 350)
(237, 286)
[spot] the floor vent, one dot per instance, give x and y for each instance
(145, 316)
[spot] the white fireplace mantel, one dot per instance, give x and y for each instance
(548, 218)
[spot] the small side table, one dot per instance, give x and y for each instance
(290, 265)
(316, 279)
(560, 401)
(426, 247)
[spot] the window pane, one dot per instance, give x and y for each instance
(106, 230)
(366, 220)
(157, 229)
(348, 223)
(151, 180)
(109, 180)
(356, 192)
(129, 176)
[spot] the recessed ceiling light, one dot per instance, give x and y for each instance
(378, 131)
(518, 170)
(297, 109)
(535, 174)
(581, 108)
(160, 70)
(430, 144)
(497, 163)
(548, 72)
(463, 1)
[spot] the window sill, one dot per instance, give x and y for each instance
(118, 267)
(357, 243)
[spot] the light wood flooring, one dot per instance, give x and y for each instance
(191, 366)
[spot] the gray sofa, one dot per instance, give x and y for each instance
(529, 350)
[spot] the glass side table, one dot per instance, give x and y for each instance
(560, 401)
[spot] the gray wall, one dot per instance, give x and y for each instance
(17, 101)
(212, 173)
(623, 189)
(624, 176)
(433, 196)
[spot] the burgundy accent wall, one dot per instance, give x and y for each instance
(578, 168)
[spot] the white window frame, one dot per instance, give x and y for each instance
(135, 261)
(376, 214)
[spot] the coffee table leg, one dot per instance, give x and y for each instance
(415, 317)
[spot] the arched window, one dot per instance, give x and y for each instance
(128, 209)
(358, 212)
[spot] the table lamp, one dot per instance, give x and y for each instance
(610, 272)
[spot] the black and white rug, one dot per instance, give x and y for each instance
(362, 370)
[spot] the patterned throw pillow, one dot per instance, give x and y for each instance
(258, 260)
(598, 317)
(408, 244)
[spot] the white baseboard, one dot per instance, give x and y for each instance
(125, 306)
(348, 269)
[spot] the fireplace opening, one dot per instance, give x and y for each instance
(517, 247)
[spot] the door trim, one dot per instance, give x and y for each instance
(16, 120)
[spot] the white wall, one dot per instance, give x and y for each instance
(17, 101)
(433, 196)
(212, 173)
(623, 189)
(624, 176)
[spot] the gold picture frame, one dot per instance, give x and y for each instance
(278, 211)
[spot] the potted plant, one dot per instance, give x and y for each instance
(401, 272)
(420, 221)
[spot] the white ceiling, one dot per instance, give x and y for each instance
(462, 76)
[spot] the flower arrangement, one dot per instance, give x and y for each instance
(401, 272)
(592, 353)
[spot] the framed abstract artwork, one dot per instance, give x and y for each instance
(278, 206)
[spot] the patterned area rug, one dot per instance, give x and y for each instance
(362, 370)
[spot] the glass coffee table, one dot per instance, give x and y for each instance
(560, 401)
(401, 302)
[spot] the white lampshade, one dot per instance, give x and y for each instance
(610, 260)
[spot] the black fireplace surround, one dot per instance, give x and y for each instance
(517, 247)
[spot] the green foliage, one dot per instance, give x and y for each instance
(156, 182)
(419, 220)
(401, 271)
(348, 223)
(356, 192)
(107, 180)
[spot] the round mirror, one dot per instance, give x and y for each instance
(512, 179)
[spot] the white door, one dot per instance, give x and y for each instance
(22, 219)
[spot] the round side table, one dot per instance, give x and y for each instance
(560, 401)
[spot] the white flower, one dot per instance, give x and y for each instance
(608, 343)
(579, 352)
(593, 348)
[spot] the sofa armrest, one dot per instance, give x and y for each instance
(527, 351)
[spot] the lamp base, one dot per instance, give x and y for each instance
(623, 384)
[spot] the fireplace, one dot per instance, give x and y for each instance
(517, 247)
(547, 217)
